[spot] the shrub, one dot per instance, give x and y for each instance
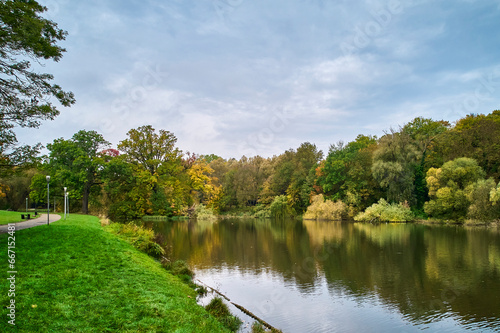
(219, 310)
(321, 209)
(385, 212)
(279, 207)
(140, 237)
(262, 212)
(178, 267)
(203, 213)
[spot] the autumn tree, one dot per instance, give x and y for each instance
(203, 185)
(157, 154)
(448, 188)
(481, 196)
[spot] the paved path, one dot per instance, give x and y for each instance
(42, 220)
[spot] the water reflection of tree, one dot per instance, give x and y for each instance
(420, 270)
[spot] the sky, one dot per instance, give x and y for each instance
(258, 77)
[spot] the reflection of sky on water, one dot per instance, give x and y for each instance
(318, 307)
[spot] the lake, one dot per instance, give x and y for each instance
(316, 276)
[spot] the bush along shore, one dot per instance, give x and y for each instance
(74, 276)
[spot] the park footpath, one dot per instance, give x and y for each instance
(42, 220)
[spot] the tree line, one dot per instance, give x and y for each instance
(431, 167)
(426, 167)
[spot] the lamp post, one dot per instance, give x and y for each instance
(26, 205)
(65, 202)
(48, 202)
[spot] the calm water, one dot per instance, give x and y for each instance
(348, 277)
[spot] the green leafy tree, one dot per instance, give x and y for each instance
(16, 170)
(346, 173)
(25, 36)
(280, 207)
(16, 188)
(223, 177)
(291, 176)
(423, 132)
(400, 161)
(394, 164)
(75, 163)
(151, 150)
(474, 136)
(301, 189)
(128, 190)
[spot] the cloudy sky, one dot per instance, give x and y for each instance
(248, 77)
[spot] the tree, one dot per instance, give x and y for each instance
(249, 178)
(423, 132)
(394, 164)
(291, 176)
(156, 154)
(300, 190)
(16, 188)
(448, 188)
(474, 136)
(144, 146)
(77, 163)
(25, 94)
(280, 207)
(482, 207)
(202, 185)
(400, 161)
(346, 173)
(128, 190)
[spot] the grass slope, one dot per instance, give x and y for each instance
(75, 277)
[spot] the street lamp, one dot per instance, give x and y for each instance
(48, 202)
(26, 205)
(65, 202)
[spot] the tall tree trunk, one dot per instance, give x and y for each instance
(85, 199)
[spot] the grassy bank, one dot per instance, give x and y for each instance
(73, 276)
(11, 217)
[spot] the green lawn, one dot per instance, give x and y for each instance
(10, 217)
(73, 276)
